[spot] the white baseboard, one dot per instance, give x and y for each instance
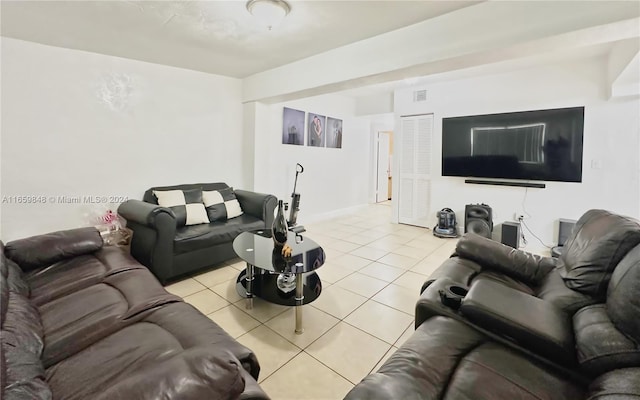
(312, 219)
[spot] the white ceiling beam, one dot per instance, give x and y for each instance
(623, 69)
(486, 33)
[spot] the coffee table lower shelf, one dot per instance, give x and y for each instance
(265, 287)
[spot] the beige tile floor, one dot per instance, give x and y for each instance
(371, 281)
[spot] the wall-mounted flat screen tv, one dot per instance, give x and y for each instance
(543, 145)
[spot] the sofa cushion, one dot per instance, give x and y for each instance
(84, 374)
(15, 279)
(208, 373)
(21, 343)
(221, 204)
(11, 286)
(190, 238)
(12, 278)
(599, 241)
(71, 323)
(44, 250)
(494, 372)
(621, 384)
(424, 364)
(623, 297)
(186, 205)
(4, 295)
(446, 359)
(23, 375)
(3, 368)
(521, 265)
(600, 346)
(175, 334)
(556, 292)
(77, 273)
(22, 326)
(191, 329)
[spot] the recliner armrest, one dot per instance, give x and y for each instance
(527, 267)
(259, 205)
(143, 213)
(533, 323)
(457, 269)
(430, 305)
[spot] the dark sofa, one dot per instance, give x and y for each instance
(528, 327)
(83, 321)
(170, 251)
(449, 360)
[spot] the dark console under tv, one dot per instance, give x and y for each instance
(506, 183)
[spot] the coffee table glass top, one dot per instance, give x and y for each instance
(258, 249)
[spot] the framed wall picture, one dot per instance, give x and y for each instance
(316, 136)
(334, 133)
(293, 126)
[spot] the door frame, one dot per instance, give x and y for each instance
(377, 164)
(427, 177)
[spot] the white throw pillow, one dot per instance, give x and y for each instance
(185, 204)
(221, 204)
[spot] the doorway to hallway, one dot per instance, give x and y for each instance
(384, 151)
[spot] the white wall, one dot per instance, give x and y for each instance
(333, 179)
(248, 143)
(611, 136)
(375, 104)
(59, 138)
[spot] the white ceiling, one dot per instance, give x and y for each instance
(217, 37)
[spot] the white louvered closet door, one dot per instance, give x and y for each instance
(414, 197)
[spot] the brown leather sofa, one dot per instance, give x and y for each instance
(498, 323)
(83, 321)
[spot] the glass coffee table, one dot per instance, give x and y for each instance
(289, 281)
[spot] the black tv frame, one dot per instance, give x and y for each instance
(487, 179)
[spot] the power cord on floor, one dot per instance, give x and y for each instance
(521, 220)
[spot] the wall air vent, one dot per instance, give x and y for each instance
(420, 95)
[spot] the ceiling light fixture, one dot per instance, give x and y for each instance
(269, 12)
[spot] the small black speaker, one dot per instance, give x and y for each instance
(565, 228)
(511, 234)
(478, 219)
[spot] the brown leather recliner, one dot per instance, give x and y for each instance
(546, 306)
(578, 278)
(83, 321)
(517, 333)
(446, 359)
